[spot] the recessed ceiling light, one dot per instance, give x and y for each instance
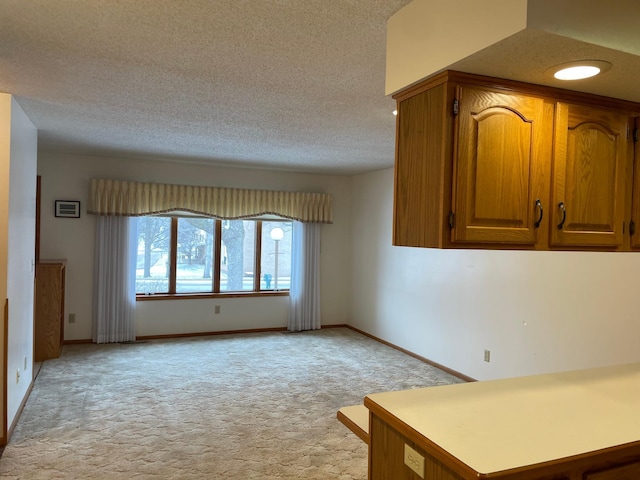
(577, 73)
(579, 70)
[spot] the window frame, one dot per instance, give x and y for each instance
(217, 249)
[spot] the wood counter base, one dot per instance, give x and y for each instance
(386, 456)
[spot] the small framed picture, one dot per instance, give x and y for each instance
(67, 208)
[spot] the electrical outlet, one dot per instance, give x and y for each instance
(72, 318)
(487, 356)
(216, 309)
(414, 460)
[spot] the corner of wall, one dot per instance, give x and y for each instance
(20, 236)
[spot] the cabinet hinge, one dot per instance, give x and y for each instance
(452, 219)
(632, 227)
(635, 135)
(456, 107)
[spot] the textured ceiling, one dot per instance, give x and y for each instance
(285, 84)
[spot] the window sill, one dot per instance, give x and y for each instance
(190, 296)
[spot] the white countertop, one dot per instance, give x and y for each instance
(498, 425)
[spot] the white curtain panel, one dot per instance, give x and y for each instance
(114, 295)
(304, 293)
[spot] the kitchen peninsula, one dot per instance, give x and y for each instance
(572, 425)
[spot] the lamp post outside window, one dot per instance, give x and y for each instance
(276, 235)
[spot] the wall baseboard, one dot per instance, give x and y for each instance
(4, 439)
(77, 342)
(205, 334)
(414, 355)
(284, 329)
(19, 413)
(184, 335)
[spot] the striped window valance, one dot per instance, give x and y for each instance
(116, 197)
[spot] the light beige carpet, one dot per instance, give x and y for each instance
(243, 406)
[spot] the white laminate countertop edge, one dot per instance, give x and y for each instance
(498, 425)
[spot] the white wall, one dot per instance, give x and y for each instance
(195, 316)
(21, 257)
(5, 164)
(535, 311)
(66, 177)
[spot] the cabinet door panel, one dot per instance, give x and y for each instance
(501, 171)
(498, 141)
(590, 156)
(418, 212)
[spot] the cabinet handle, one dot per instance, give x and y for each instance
(539, 205)
(564, 215)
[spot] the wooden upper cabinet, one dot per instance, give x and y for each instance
(500, 146)
(589, 175)
(490, 163)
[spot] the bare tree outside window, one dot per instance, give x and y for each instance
(195, 247)
(152, 268)
(238, 254)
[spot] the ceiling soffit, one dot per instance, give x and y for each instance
(536, 36)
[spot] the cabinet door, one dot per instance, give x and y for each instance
(590, 158)
(499, 143)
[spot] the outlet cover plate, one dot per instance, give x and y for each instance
(414, 460)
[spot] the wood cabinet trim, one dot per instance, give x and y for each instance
(514, 86)
(423, 86)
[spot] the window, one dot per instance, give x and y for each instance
(194, 263)
(276, 255)
(238, 255)
(192, 255)
(152, 266)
